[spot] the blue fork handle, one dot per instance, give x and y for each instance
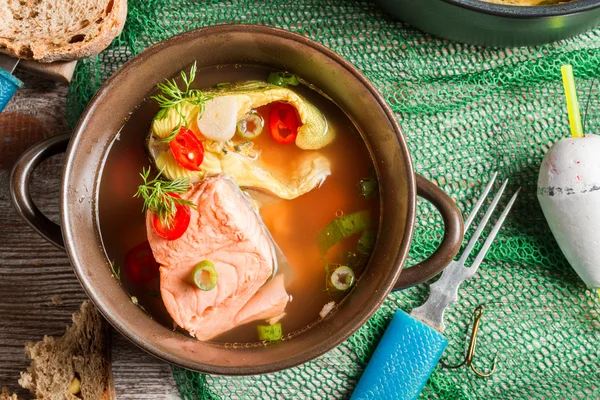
(8, 86)
(402, 362)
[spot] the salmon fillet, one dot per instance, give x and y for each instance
(225, 230)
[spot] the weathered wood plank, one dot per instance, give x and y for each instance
(32, 271)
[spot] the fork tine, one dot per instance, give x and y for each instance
(481, 225)
(494, 232)
(482, 198)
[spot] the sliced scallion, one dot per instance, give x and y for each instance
(269, 332)
(204, 276)
(366, 242)
(343, 227)
(368, 188)
(342, 278)
(283, 79)
(250, 126)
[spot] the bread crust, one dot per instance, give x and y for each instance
(83, 353)
(111, 27)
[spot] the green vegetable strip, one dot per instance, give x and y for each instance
(368, 188)
(269, 332)
(343, 227)
(283, 79)
(366, 243)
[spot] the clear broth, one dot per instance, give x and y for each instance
(294, 224)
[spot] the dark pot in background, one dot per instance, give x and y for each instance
(219, 45)
(480, 23)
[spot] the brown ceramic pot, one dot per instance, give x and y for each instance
(218, 45)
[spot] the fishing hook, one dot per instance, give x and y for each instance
(477, 313)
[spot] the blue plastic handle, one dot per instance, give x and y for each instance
(402, 362)
(8, 86)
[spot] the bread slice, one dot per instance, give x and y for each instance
(81, 356)
(59, 30)
(5, 395)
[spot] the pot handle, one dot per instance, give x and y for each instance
(19, 187)
(453, 236)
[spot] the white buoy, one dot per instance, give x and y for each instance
(569, 193)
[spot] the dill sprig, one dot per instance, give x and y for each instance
(175, 131)
(115, 270)
(173, 97)
(157, 196)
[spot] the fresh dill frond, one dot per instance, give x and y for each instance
(162, 114)
(115, 270)
(135, 301)
(172, 96)
(157, 197)
(175, 131)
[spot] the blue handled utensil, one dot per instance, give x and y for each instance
(413, 344)
(8, 83)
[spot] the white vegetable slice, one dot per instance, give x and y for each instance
(219, 119)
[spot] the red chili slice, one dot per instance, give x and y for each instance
(179, 223)
(187, 149)
(284, 123)
(140, 265)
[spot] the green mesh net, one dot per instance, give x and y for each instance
(466, 112)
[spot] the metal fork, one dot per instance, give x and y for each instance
(445, 290)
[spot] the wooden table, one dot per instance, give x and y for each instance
(33, 271)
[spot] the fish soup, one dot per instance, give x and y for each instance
(253, 167)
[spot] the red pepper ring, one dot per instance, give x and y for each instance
(140, 265)
(179, 223)
(187, 149)
(284, 123)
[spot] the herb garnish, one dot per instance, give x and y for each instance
(135, 301)
(157, 196)
(173, 97)
(115, 270)
(175, 131)
(283, 79)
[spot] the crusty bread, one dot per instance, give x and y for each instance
(59, 30)
(82, 353)
(5, 395)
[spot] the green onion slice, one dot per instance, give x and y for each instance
(343, 227)
(204, 276)
(250, 126)
(368, 188)
(342, 278)
(269, 332)
(366, 243)
(283, 79)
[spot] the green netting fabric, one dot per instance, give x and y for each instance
(466, 112)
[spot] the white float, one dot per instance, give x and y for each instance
(569, 193)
